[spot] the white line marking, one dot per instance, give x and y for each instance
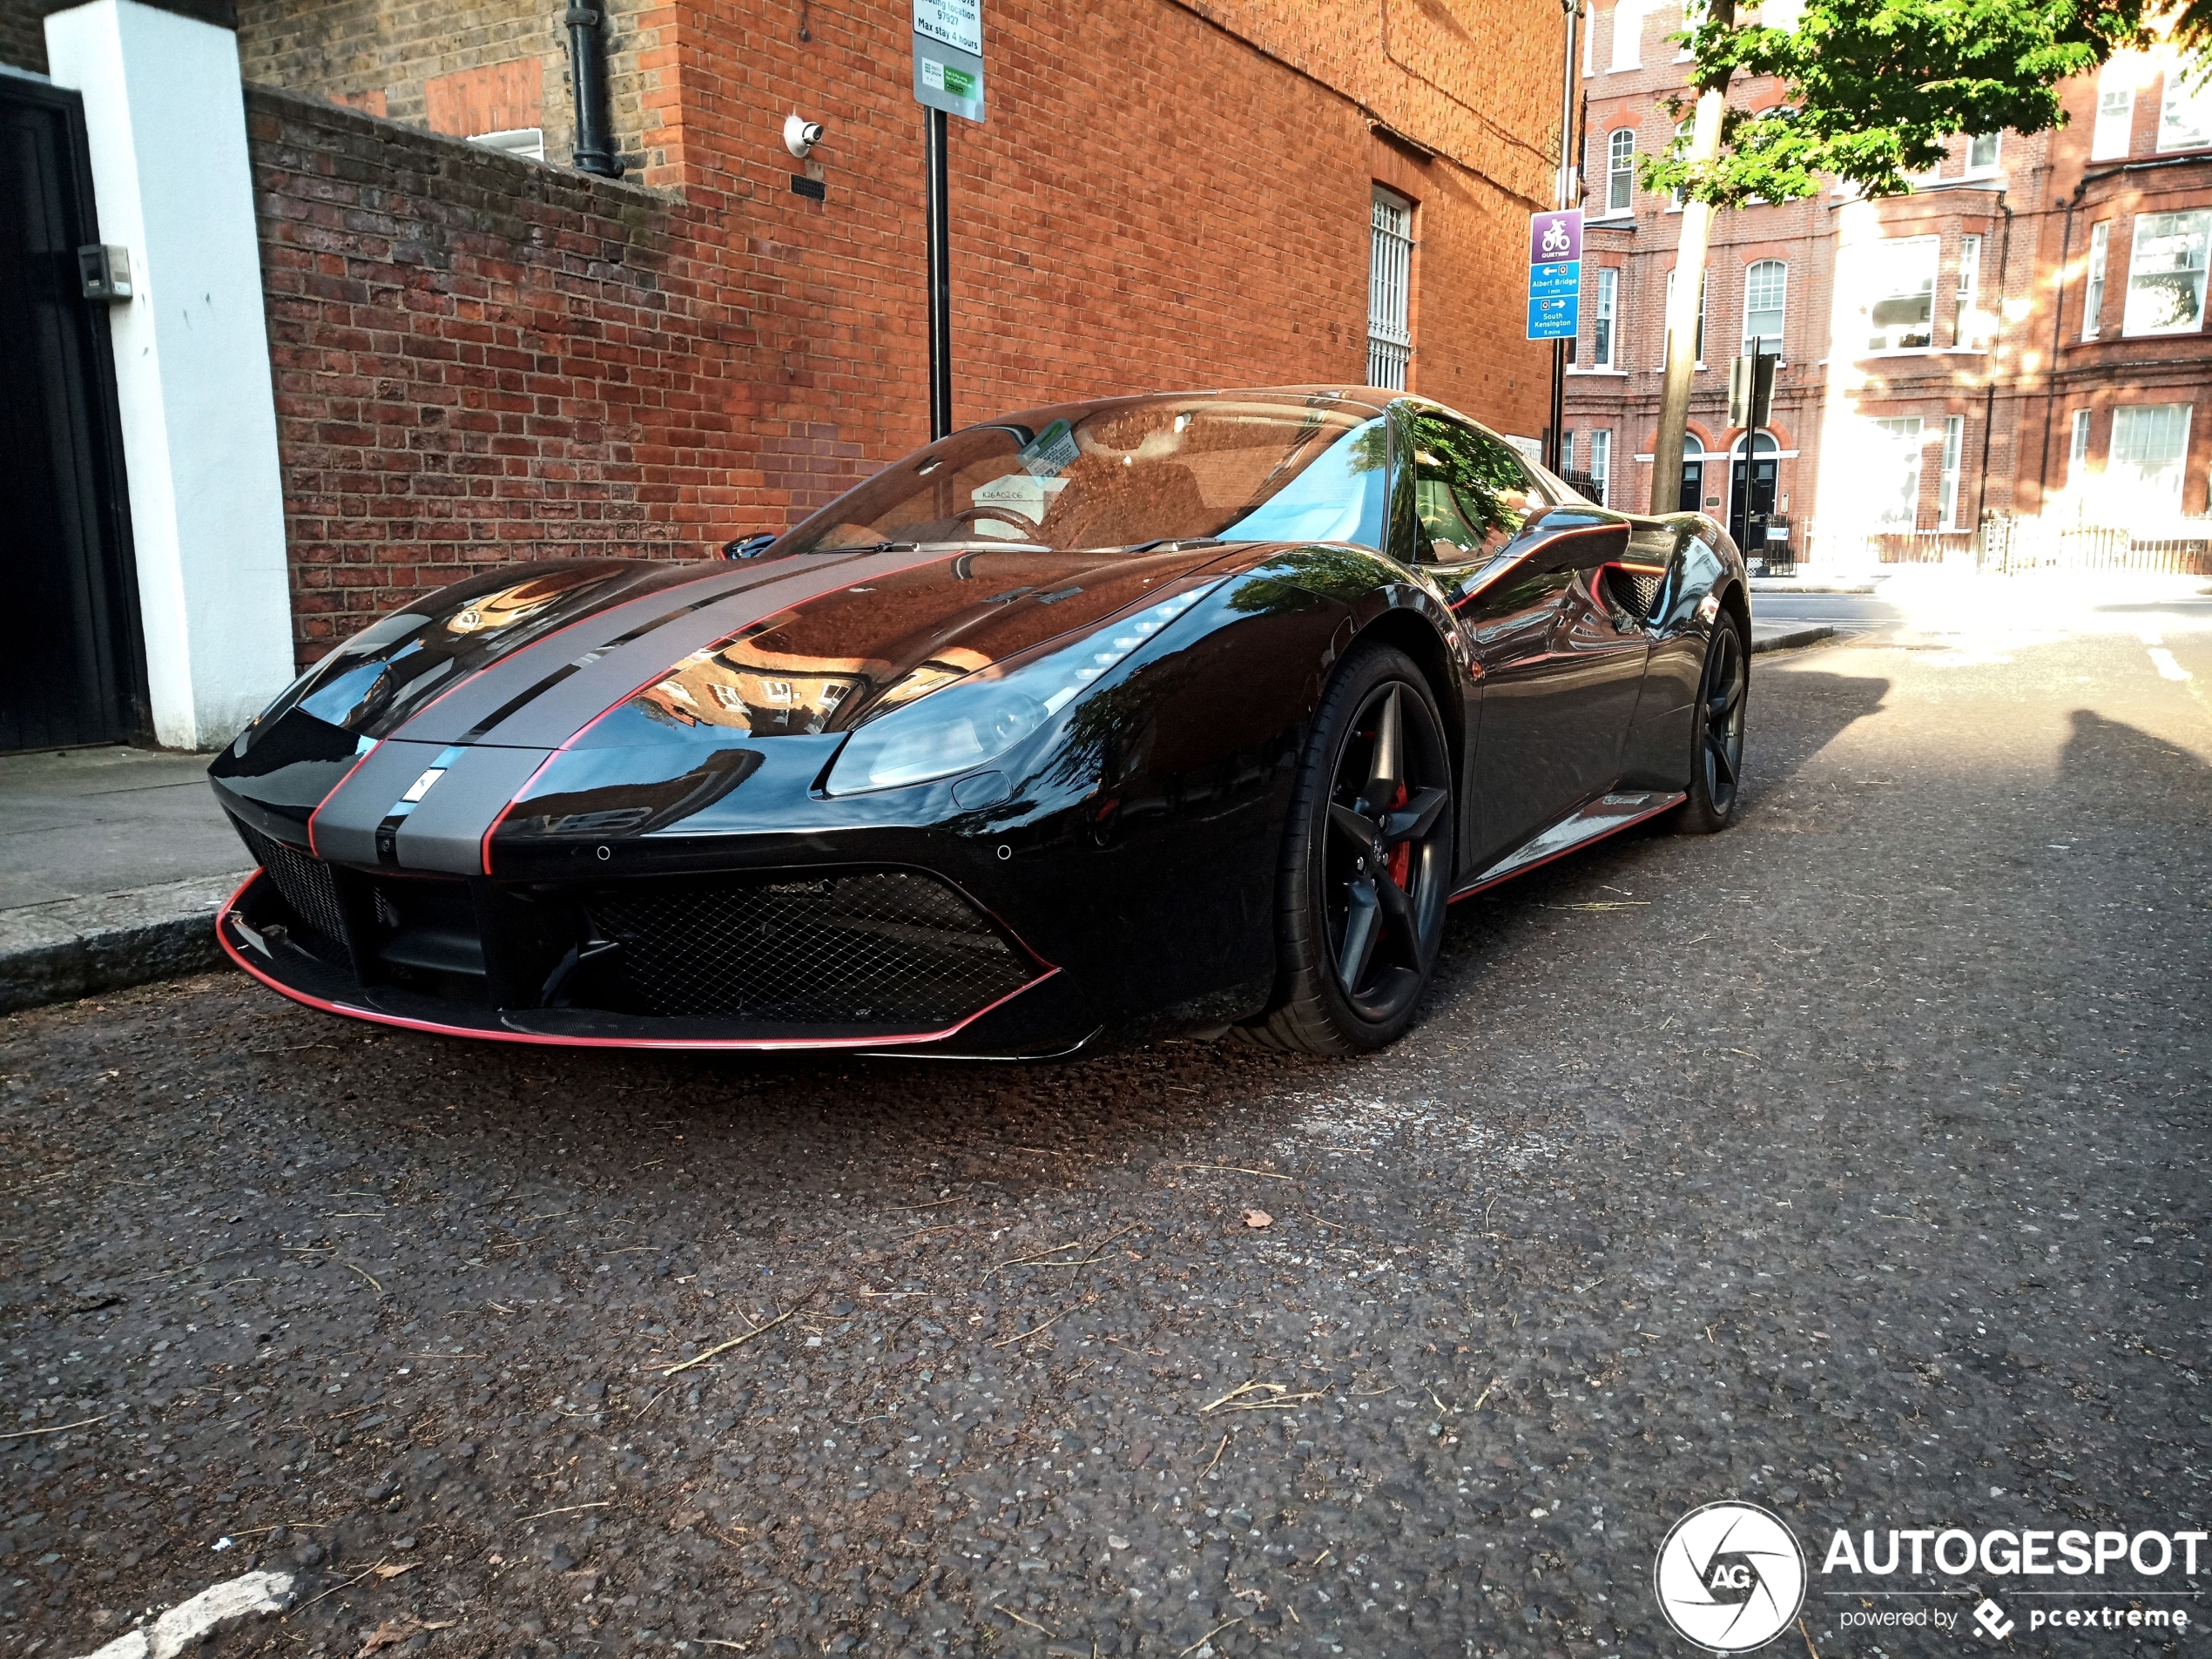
(2162, 660)
(189, 1622)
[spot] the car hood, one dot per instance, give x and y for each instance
(622, 653)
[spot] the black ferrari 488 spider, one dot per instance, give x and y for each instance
(1110, 721)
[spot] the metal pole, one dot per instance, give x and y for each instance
(941, 286)
(1564, 186)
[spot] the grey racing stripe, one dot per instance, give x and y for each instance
(510, 682)
(565, 708)
(446, 830)
(345, 825)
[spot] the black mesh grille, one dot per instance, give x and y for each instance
(309, 889)
(1634, 594)
(869, 948)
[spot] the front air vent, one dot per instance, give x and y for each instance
(309, 889)
(872, 949)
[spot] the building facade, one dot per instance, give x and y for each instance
(475, 352)
(2022, 335)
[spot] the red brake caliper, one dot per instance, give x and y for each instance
(1402, 857)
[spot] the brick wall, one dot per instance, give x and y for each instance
(477, 359)
(489, 66)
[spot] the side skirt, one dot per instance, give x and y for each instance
(1607, 815)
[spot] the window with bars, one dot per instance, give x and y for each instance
(1390, 292)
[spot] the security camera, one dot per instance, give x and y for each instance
(800, 135)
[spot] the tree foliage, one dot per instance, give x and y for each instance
(1874, 88)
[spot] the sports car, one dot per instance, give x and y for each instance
(1100, 723)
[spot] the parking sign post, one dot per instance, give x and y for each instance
(948, 80)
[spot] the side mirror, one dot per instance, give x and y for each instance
(748, 547)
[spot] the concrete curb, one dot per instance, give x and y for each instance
(71, 947)
(1781, 636)
(1792, 584)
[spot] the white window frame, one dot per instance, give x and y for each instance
(2126, 419)
(1966, 330)
(1601, 461)
(1566, 452)
(1888, 251)
(2092, 290)
(1954, 443)
(1605, 319)
(527, 143)
(1986, 166)
(1620, 165)
(2114, 135)
(1627, 36)
(1781, 308)
(1390, 291)
(2184, 113)
(1904, 437)
(2148, 230)
(2077, 451)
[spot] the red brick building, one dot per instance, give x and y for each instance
(2023, 332)
(478, 355)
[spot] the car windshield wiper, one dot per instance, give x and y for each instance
(870, 547)
(1179, 543)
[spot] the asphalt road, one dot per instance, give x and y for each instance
(1854, 1162)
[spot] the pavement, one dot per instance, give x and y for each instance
(112, 864)
(1852, 1163)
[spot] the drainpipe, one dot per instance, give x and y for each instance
(595, 144)
(2058, 329)
(1989, 390)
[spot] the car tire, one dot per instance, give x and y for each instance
(1717, 731)
(1367, 863)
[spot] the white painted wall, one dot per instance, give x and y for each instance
(166, 122)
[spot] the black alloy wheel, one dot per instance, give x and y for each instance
(1367, 863)
(1716, 758)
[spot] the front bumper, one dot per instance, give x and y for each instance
(872, 959)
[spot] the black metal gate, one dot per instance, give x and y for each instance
(72, 672)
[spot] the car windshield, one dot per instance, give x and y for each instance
(1129, 473)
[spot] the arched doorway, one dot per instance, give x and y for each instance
(1693, 475)
(1751, 490)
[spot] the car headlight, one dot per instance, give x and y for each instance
(976, 719)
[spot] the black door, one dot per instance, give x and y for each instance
(1559, 678)
(1693, 485)
(1751, 499)
(70, 672)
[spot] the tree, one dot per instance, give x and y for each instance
(1872, 90)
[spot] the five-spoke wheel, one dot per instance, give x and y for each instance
(1367, 863)
(1717, 758)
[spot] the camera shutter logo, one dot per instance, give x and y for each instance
(1729, 1577)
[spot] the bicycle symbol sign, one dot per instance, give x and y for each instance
(1555, 274)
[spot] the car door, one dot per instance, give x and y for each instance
(1561, 665)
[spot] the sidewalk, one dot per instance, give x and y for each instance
(112, 862)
